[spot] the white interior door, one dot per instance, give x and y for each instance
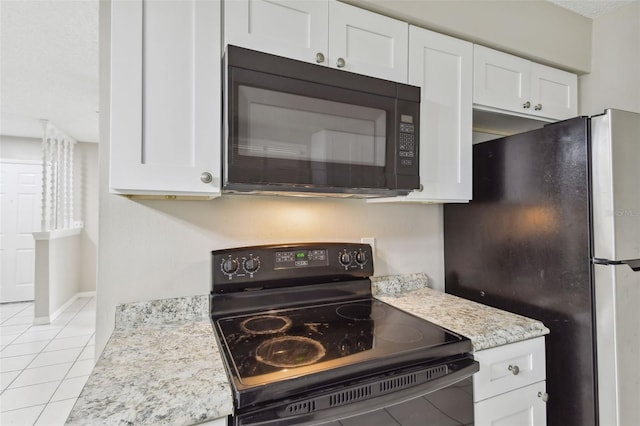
(20, 201)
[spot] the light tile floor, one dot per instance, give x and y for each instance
(44, 367)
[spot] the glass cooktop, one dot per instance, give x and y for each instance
(280, 344)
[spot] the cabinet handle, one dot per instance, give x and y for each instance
(538, 107)
(514, 369)
(526, 105)
(206, 177)
(319, 58)
(341, 63)
(544, 396)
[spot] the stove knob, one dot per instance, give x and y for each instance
(230, 266)
(345, 259)
(361, 257)
(252, 264)
(344, 347)
(361, 344)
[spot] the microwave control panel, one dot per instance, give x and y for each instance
(407, 141)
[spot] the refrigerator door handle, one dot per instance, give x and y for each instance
(634, 264)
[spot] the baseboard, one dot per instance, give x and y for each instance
(41, 320)
(49, 319)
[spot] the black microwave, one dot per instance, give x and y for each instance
(292, 127)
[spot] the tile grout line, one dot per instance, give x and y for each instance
(72, 365)
(77, 312)
(61, 330)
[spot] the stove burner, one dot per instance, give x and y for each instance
(398, 333)
(266, 324)
(289, 351)
(359, 312)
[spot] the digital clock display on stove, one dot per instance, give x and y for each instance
(301, 258)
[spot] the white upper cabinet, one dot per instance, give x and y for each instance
(514, 85)
(442, 66)
(554, 92)
(165, 97)
(367, 43)
(296, 29)
(324, 32)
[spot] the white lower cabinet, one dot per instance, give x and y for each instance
(521, 407)
(510, 388)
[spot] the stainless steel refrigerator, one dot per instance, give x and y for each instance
(553, 233)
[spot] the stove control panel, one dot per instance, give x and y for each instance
(287, 262)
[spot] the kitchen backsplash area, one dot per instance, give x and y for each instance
(154, 249)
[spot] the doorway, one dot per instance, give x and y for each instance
(20, 216)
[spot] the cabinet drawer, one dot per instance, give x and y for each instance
(509, 367)
(522, 407)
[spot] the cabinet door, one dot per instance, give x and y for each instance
(501, 81)
(165, 97)
(295, 29)
(367, 43)
(522, 407)
(442, 67)
(508, 367)
(554, 93)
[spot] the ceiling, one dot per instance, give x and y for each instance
(591, 8)
(49, 63)
(49, 67)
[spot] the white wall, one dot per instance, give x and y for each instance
(614, 81)
(87, 196)
(57, 275)
(17, 148)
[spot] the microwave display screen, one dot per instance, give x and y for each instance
(287, 126)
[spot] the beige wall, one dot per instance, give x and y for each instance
(537, 30)
(614, 81)
(86, 162)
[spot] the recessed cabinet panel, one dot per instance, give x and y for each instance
(294, 29)
(555, 92)
(165, 98)
(166, 85)
(503, 81)
(367, 43)
(522, 407)
(500, 80)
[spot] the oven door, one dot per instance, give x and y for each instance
(447, 399)
(288, 133)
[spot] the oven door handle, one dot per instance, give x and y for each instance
(360, 407)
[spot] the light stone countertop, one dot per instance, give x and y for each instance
(162, 366)
(485, 326)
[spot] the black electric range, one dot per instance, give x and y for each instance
(299, 321)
